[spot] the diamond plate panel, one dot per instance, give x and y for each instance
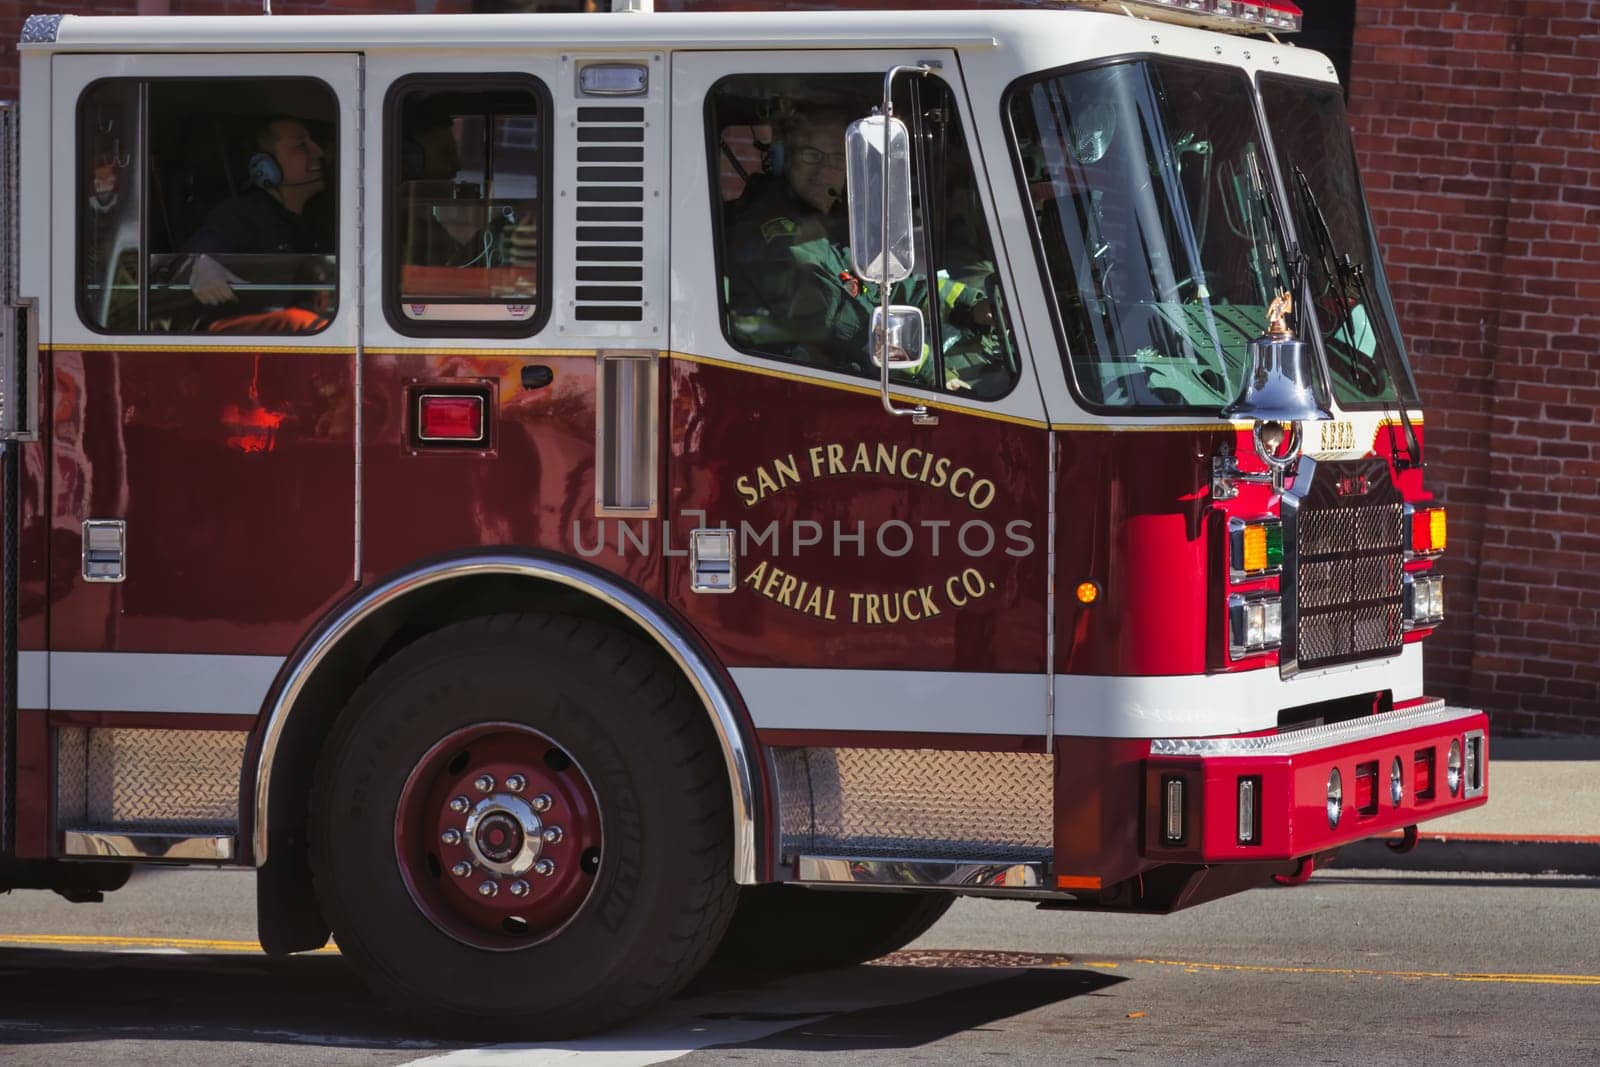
(72, 773)
(915, 802)
(157, 780)
(41, 29)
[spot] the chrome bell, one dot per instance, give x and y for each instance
(1277, 388)
(1277, 397)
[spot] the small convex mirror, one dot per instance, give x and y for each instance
(867, 173)
(905, 336)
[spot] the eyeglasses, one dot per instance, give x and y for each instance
(814, 156)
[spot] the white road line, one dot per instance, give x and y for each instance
(731, 1017)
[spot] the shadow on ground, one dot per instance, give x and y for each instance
(905, 1001)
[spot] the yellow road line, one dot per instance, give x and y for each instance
(1352, 972)
(105, 941)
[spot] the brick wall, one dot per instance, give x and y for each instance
(1479, 133)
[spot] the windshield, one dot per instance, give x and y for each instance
(1161, 244)
(1349, 296)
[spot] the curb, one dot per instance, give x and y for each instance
(1496, 853)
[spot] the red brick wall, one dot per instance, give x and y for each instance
(1479, 132)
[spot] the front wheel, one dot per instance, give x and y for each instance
(522, 823)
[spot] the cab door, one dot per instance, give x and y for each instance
(890, 575)
(203, 473)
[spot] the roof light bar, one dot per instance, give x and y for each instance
(1229, 16)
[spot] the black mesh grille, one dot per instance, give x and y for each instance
(1348, 537)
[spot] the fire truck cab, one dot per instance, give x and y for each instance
(569, 497)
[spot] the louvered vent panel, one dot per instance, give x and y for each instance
(610, 191)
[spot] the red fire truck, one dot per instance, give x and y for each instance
(565, 497)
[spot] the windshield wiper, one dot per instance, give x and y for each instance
(1349, 275)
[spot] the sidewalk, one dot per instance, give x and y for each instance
(1543, 816)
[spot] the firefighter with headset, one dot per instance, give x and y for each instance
(791, 284)
(276, 215)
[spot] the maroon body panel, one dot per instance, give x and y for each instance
(33, 526)
(1098, 789)
(235, 474)
(152, 720)
(766, 452)
(35, 786)
(1133, 509)
(534, 487)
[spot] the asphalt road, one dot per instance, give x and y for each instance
(1354, 967)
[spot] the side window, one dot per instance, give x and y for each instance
(788, 289)
(467, 170)
(207, 206)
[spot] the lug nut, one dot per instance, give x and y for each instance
(541, 802)
(461, 869)
(519, 888)
(460, 804)
(552, 835)
(516, 783)
(451, 837)
(545, 868)
(488, 889)
(483, 783)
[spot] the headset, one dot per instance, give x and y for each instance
(775, 154)
(265, 171)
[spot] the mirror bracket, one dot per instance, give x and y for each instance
(920, 415)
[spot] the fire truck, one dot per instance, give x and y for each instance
(566, 498)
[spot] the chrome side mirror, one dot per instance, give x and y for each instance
(904, 340)
(878, 186)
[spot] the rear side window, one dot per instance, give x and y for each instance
(465, 216)
(207, 205)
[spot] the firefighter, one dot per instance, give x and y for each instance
(792, 285)
(278, 214)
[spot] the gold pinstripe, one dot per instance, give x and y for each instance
(860, 390)
(290, 350)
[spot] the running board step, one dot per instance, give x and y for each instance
(1003, 875)
(149, 847)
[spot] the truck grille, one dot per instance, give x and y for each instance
(1348, 536)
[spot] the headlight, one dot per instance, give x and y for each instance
(1424, 600)
(1255, 624)
(1335, 798)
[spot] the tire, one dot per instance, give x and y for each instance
(787, 929)
(635, 826)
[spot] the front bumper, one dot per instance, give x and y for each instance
(1288, 815)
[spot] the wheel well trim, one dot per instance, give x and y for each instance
(714, 696)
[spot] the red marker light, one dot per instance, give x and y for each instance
(1422, 773)
(450, 418)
